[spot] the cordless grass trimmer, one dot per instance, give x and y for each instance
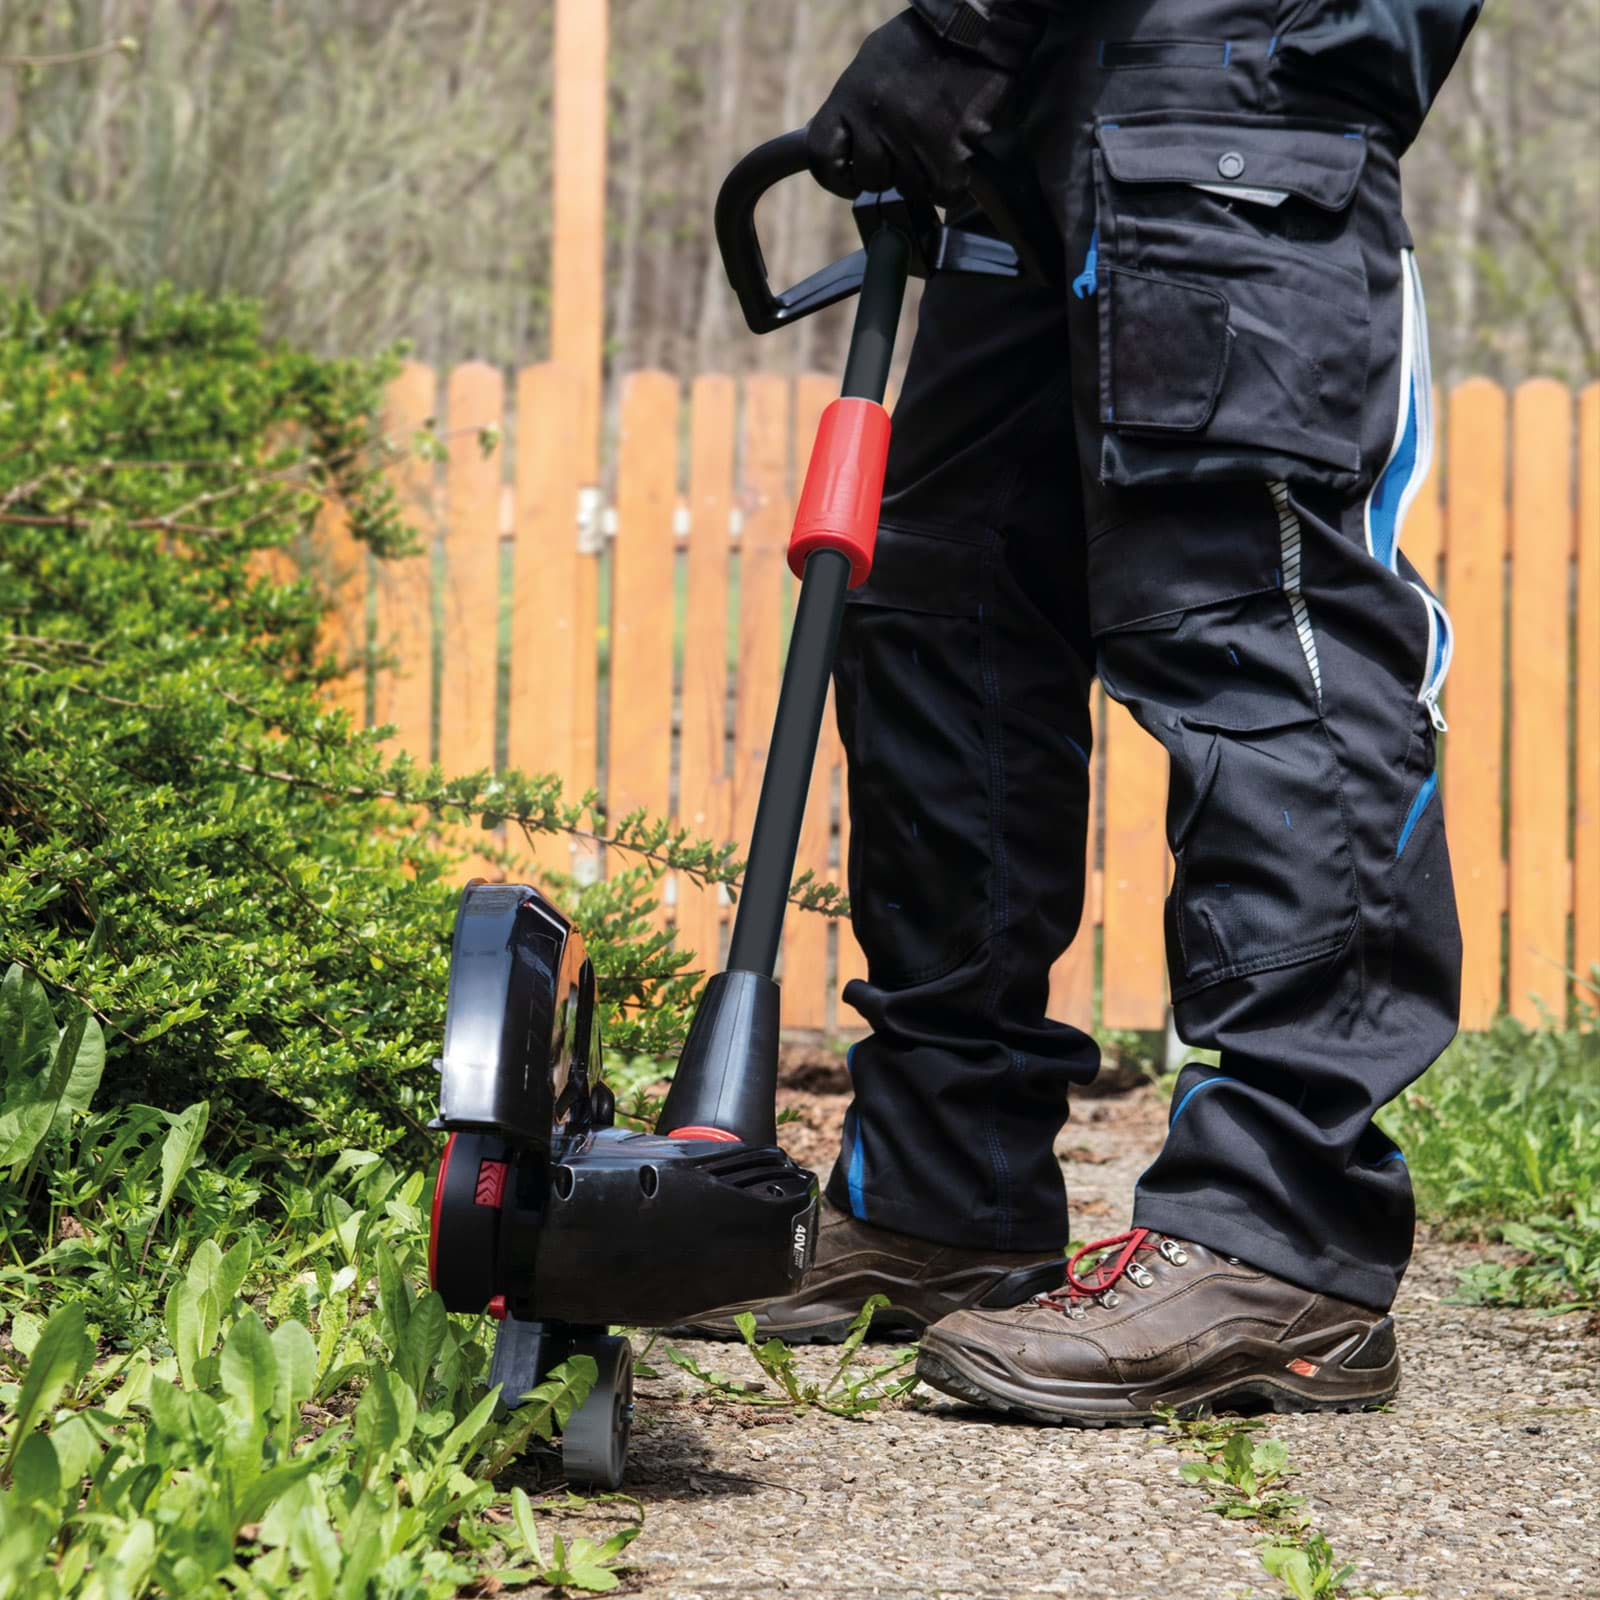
(546, 1215)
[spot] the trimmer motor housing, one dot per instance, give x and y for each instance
(617, 1227)
(555, 1221)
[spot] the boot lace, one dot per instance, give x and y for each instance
(1119, 1260)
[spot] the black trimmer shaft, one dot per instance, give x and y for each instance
(726, 1083)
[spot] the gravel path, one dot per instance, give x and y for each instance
(1482, 1481)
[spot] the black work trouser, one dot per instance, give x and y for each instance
(1187, 474)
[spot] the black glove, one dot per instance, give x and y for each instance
(906, 115)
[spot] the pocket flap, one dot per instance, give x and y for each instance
(917, 571)
(1319, 164)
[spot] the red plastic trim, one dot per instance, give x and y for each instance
(497, 1307)
(844, 487)
(692, 1132)
(490, 1188)
(438, 1201)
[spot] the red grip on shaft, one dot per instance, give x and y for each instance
(844, 487)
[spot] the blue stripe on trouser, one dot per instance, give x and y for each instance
(1391, 486)
(1418, 806)
(853, 1177)
(854, 1173)
(1189, 1095)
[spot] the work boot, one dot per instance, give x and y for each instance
(923, 1281)
(1162, 1322)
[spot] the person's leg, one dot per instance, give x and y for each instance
(1312, 933)
(962, 691)
(1252, 386)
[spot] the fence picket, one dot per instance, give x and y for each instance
(1586, 795)
(1424, 530)
(1541, 549)
(402, 690)
(1475, 552)
(1072, 977)
(546, 640)
(703, 787)
(765, 501)
(474, 401)
(470, 586)
(1133, 991)
(805, 935)
(643, 556)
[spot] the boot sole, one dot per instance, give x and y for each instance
(950, 1368)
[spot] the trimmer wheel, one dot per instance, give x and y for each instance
(594, 1443)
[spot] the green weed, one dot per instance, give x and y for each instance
(1249, 1472)
(1307, 1566)
(272, 1407)
(581, 1564)
(846, 1391)
(1502, 1138)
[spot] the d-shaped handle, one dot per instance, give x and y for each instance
(1001, 184)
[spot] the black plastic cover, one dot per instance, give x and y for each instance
(634, 1228)
(519, 1022)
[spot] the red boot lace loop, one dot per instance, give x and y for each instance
(1107, 1271)
(1106, 1275)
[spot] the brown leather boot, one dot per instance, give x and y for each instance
(1161, 1322)
(924, 1281)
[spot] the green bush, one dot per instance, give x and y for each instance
(254, 901)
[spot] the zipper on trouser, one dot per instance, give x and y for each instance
(1441, 647)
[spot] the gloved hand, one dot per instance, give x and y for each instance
(906, 114)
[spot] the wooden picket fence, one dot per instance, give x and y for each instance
(680, 677)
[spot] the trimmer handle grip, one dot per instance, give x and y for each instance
(766, 166)
(1030, 246)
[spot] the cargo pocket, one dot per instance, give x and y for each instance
(1264, 876)
(1234, 324)
(919, 728)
